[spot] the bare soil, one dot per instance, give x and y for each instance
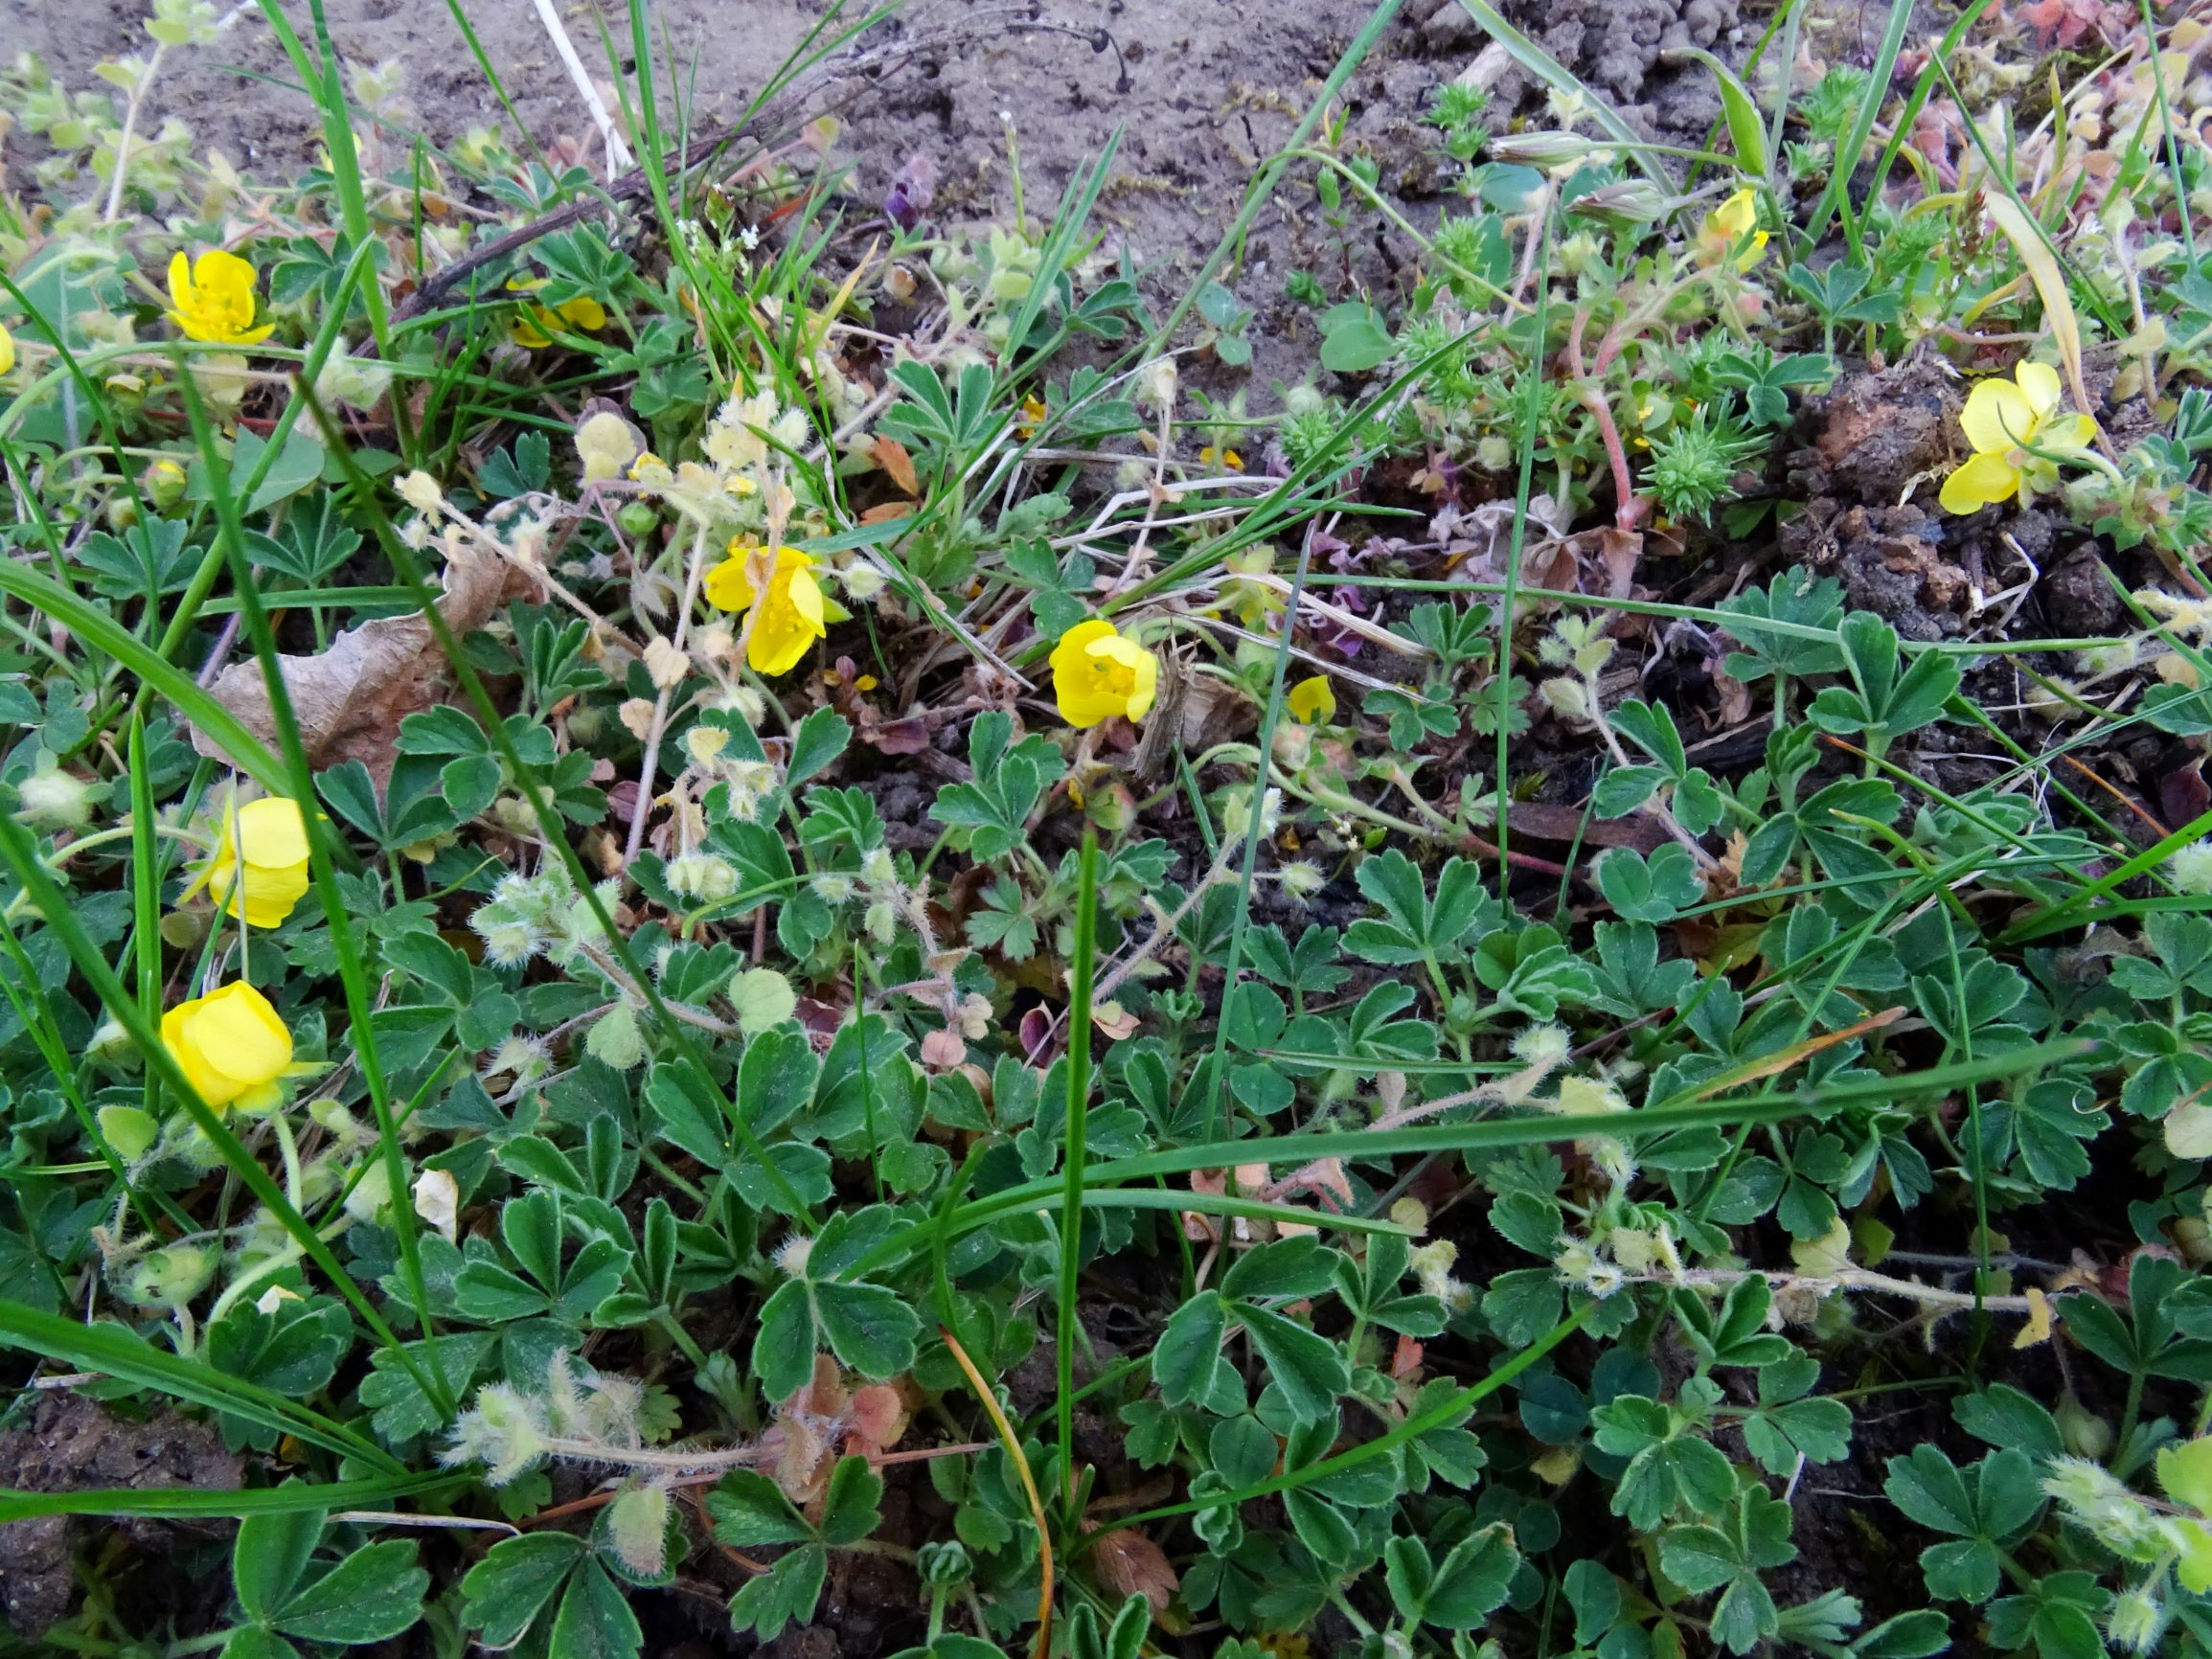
(1199, 95)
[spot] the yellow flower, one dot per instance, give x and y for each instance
(212, 296)
(1032, 414)
(1733, 225)
(789, 619)
(7, 351)
(230, 1045)
(1097, 674)
(2002, 419)
(1312, 702)
(267, 842)
(1221, 456)
(533, 324)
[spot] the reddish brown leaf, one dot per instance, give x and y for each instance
(891, 455)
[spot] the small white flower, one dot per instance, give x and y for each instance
(420, 490)
(2190, 868)
(438, 1201)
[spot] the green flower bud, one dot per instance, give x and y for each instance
(112, 1049)
(614, 1038)
(371, 1193)
(52, 799)
(168, 1278)
(2086, 1434)
(637, 1527)
(162, 485)
(129, 1130)
(638, 518)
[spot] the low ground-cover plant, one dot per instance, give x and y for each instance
(710, 905)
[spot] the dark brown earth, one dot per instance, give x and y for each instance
(71, 1444)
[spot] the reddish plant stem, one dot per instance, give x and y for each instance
(1629, 506)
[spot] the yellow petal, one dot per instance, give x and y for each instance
(807, 597)
(224, 272)
(269, 893)
(7, 351)
(2038, 384)
(1984, 480)
(1085, 697)
(1997, 417)
(179, 278)
(241, 1035)
(726, 585)
(228, 1043)
(273, 832)
(1144, 674)
(1312, 702)
(585, 312)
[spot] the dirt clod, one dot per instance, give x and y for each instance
(75, 1444)
(1890, 560)
(1875, 433)
(1615, 44)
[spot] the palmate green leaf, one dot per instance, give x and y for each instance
(1414, 926)
(1307, 1367)
(1656, 889)
(270, 1554)
(1458, 1591)
(508, 1589)
(1786, 1425)
(594, 1620)
(1981, 1507)
(372, 1596)
(1734, 1331)
(1189, 1349)
(1671, 1471)
(782, 1595)
(1730, 1557)
(2059, 1615)
(2166, 1332)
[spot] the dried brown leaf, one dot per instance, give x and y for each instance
(348, 700)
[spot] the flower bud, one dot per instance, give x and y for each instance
(170, 1278)
(2086, 1434)
(1621, 206)
(1540, 148)
(129, 1130)
(637, 1527)
(702, 875)
(2136, 1620)
(163, 484)
(54, 800)
(371, 1193)
(638, 519)
(614, 1039)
